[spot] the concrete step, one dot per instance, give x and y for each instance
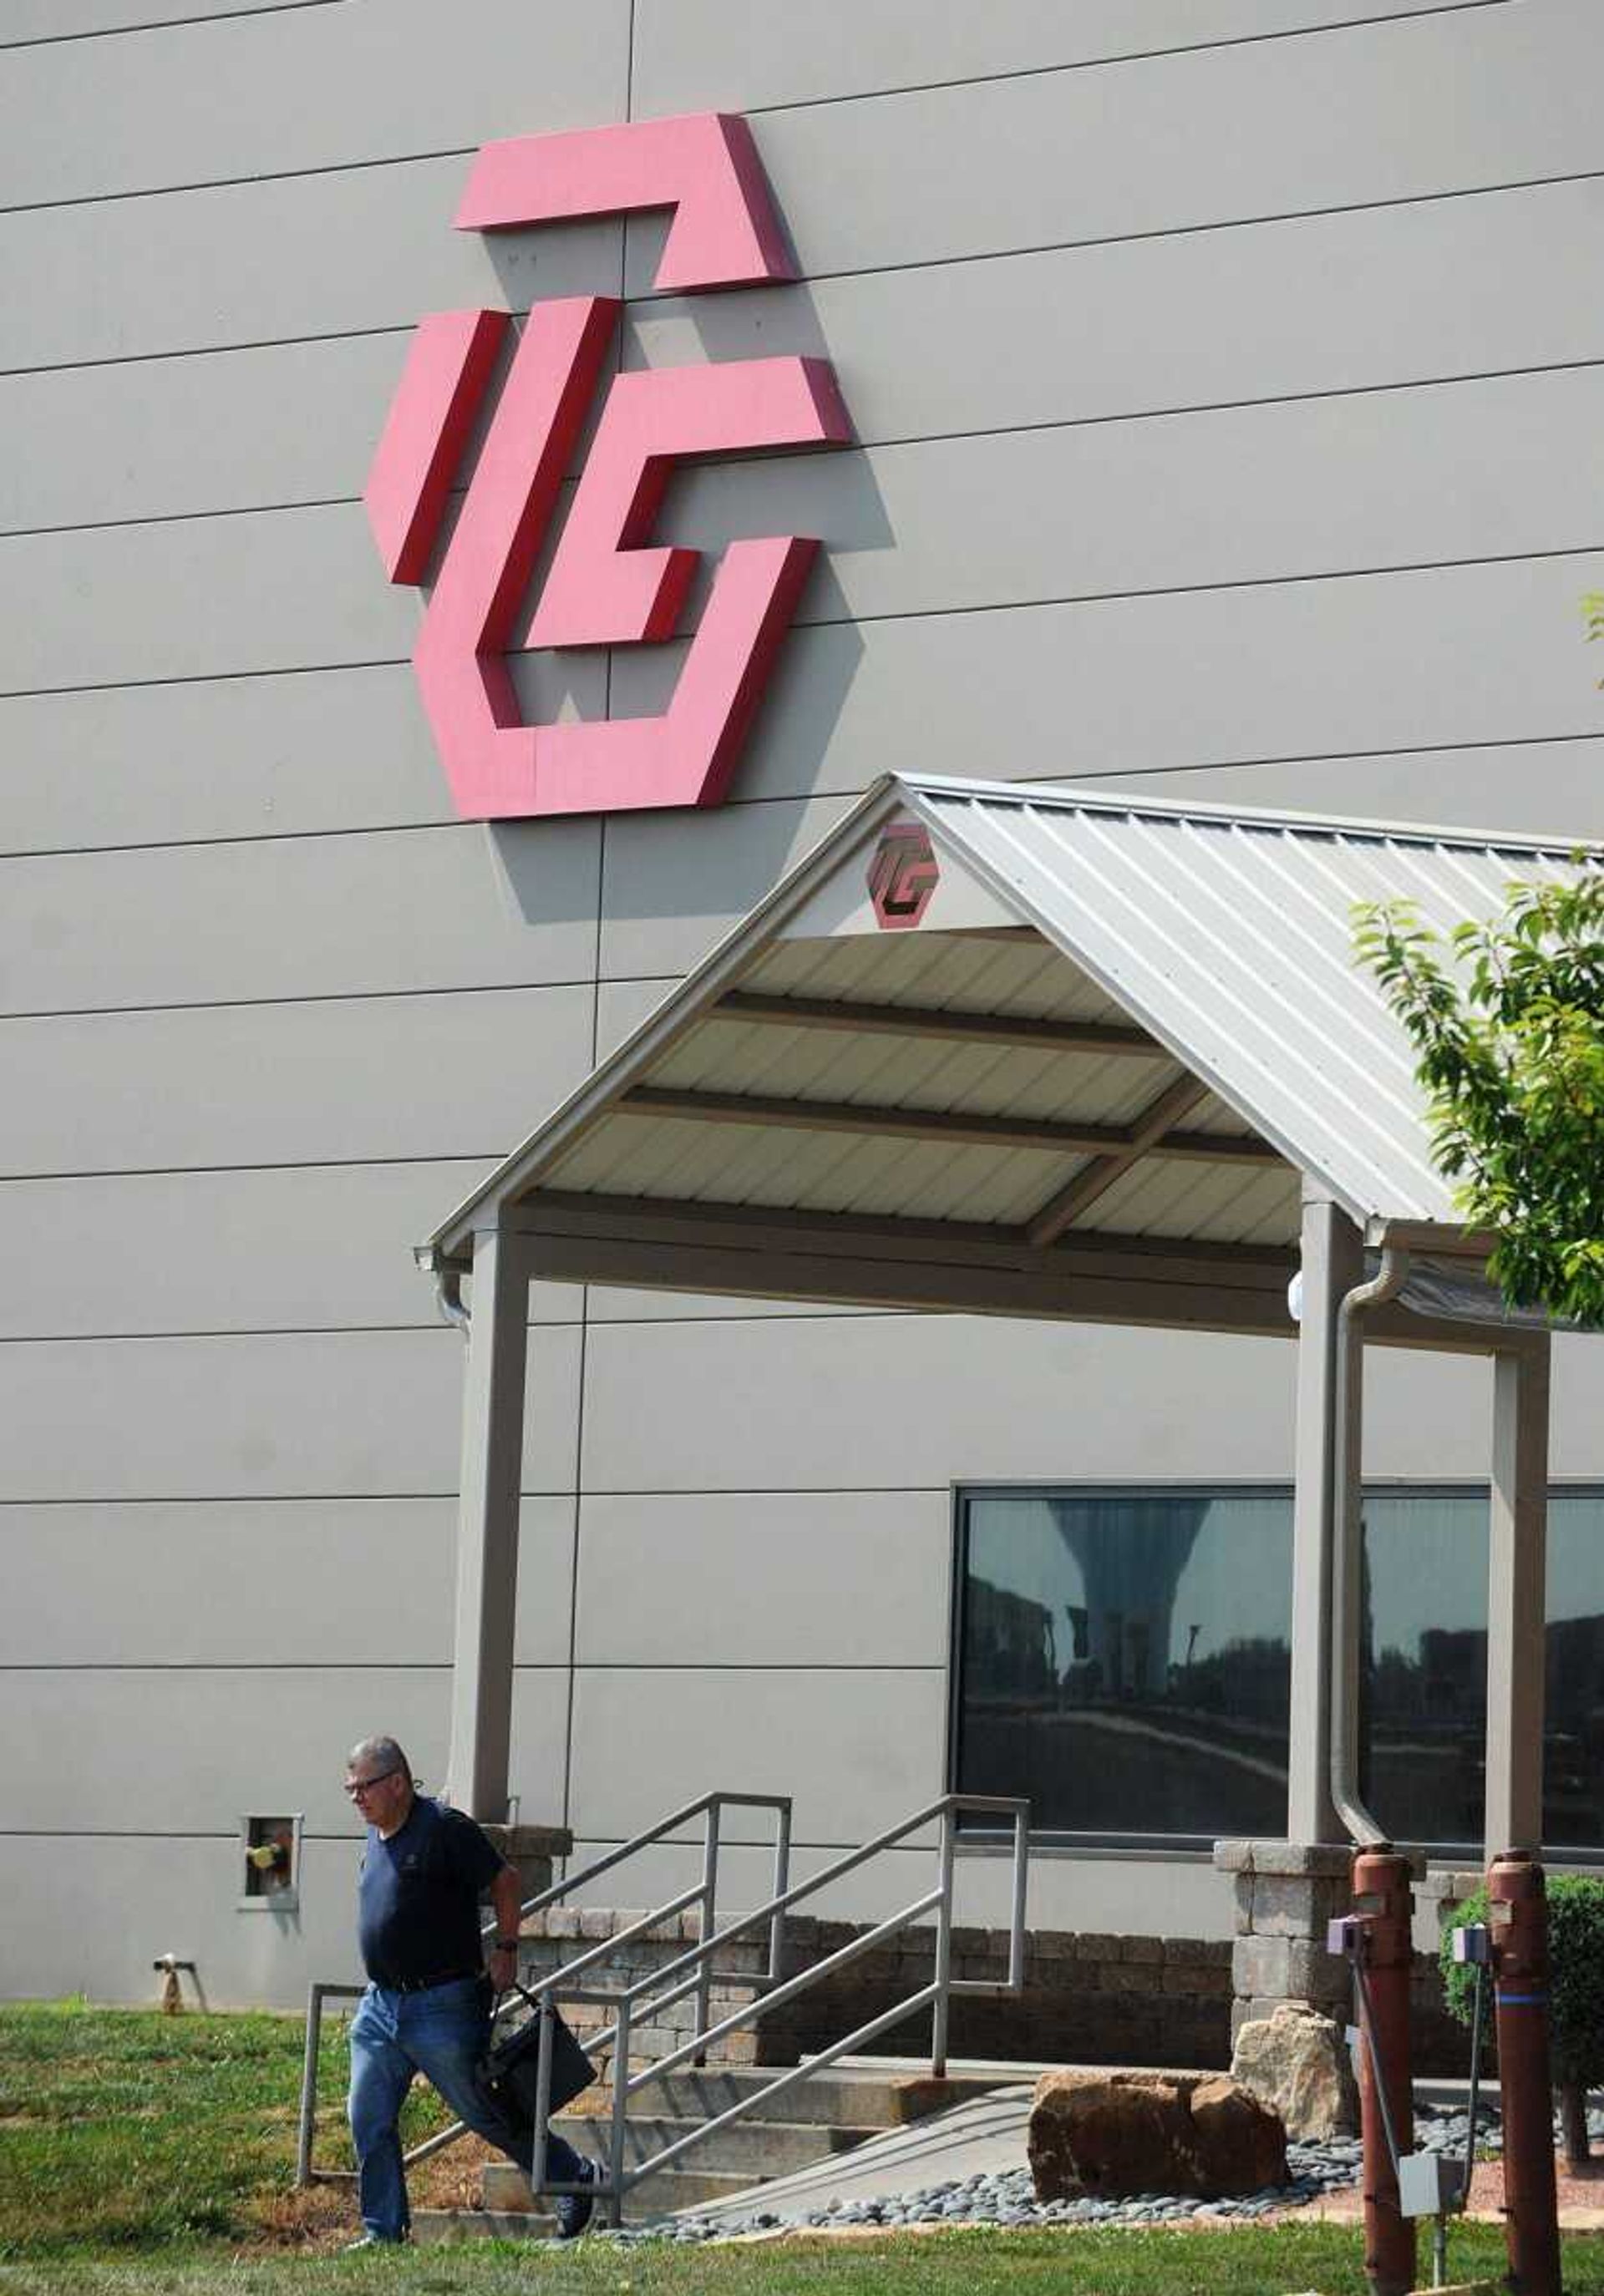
(507, 2197)
(846, 2097)
(845, 2106)
(752, 2148)
(436, 2227)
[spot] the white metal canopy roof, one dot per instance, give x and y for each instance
(1097, 1067)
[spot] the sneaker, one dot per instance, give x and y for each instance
(573, 2210)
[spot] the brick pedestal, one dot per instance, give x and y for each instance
(533, 1849)
(1285, 1893)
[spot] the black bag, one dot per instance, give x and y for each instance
(510, 2069)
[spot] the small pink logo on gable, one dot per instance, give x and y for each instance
(608, 585)
(903, 875)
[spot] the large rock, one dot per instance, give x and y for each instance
(1112, 2135)
(1296, 2063)
(1241, 2143)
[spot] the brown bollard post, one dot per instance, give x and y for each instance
(1383, 1902)
(1518, 1920)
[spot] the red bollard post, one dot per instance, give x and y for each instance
(1518, 1919)
(1383, 1902)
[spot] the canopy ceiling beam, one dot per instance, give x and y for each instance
(1061, 1211)
(946, 1125)
(847, 1235)
(794, 1263)
(928, 1021)
(752, 1252)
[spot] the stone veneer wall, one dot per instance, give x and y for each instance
(1089, 1997)
(562, 1933)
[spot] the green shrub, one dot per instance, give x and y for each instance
(1575, 1990)
(1576, 1976)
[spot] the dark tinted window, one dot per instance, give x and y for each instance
(1124, 1661)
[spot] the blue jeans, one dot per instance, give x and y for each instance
(441, 2034)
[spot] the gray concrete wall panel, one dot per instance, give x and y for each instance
(1554, 789)
(1049, 158)
(778, 1580)
(302, 1248)
(620, 1007)
(141, 765)
(283, 91)
(667, 897)
(141, 1896)
(1235, 497)
(351, 1081)
(1179, 1898)
(310, 1414)
(648, 1738)
(758, 53)
(430, 909)
(1169, 1405)
(259, 1583)
(707, 1414)
(329, 254)
(181, 1752)
(174, 1751)
(540, 1745)
(1355, 301)
(706, 1406)
(1309, 304)
(201, 597)
(1319, 669)
(1263, 494)
(241, 429)
(26, 20)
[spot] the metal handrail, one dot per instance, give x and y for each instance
(707, 1806)
(698, 1963)
(936, 1995)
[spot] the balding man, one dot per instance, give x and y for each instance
(426, 2009)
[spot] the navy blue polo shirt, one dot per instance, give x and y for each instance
(417, 1895)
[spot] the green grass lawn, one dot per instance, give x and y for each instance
(1092, 2263)
(123, 2130)
(142, 2154)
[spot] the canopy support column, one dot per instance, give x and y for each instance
(486, 1538)
(1333, 1263)
(1516, 1633)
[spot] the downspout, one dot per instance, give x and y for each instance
(447, 1275)
(1345, 1514)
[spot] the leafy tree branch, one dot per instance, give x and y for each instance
(1507, 1017)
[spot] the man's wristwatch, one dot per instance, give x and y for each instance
(506, 1945)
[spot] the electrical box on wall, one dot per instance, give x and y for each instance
(270, 1864)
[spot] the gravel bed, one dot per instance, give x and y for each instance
(1007, 2197)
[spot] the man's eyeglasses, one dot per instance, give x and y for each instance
(354, 1788)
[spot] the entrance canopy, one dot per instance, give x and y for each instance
(1024, 1051)
(1027, 1050)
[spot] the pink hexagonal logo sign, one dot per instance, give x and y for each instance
(608, 583)
(903, 875)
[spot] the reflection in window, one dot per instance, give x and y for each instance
(1124, 1661)
(1425, 1629)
